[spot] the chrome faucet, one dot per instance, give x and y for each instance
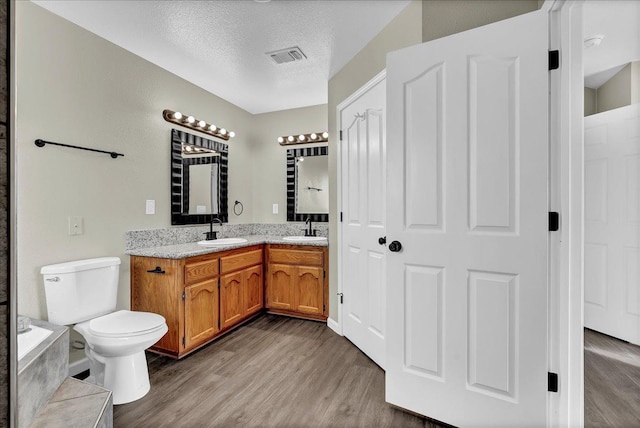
(211, 234)
(310, 231)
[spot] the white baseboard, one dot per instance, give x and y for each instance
(333, 325)
(78, 366)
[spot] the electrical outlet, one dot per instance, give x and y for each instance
(275, 208)
(151, 206)
(75, 226)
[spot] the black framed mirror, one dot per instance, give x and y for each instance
(308, 184)
(199, 172)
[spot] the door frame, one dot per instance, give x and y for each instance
(336, 325)
(566, 187)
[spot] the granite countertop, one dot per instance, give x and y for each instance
(181, 251)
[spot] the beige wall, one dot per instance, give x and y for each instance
(445, 17)
(635, 82)
(590, 101)
(76, 88)
(270, 158)
(404, 30)
(620, 90)
(616, 92)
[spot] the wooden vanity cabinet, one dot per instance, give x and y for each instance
(296, 282)
(201, 297)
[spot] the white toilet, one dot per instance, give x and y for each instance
(83, 292)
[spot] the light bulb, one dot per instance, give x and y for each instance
(301, 137)
(191, 119)
(325, 135)
(189, 148)
(177, 115)
(223, 131)
(212, 128)
(202, 124)
(301, 159)
(290, 138)
(313, 136)
(232, 134)
(280, 140)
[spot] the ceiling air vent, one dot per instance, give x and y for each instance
(287, 55)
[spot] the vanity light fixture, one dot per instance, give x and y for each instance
(191, 122)
(315, 137)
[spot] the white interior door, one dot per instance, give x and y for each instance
(612, 223)
(467, 150)
(363, 182)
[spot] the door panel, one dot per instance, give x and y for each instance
(254, 290)
(612, 223)
(201, 312)
(363, 182)
(467, 161)
(280, 286)
(309, 290)
(231, 298)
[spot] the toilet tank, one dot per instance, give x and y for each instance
(81, 290)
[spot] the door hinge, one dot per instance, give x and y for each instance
(324, 273)
(324, 308)
(340, 135)
(554, 221)
(184, 296)
(184, 341)
(554, 60)
(552, 382)
(340, 216)
(341, 296)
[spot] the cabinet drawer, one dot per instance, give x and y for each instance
(296, 257)
(239, 261)
(197, 271)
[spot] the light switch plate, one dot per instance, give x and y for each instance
(151, 206)
(76, 226)
(275, 208)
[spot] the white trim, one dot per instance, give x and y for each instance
(344, 104)
(78, 366)
(333, 325)
(566, 408)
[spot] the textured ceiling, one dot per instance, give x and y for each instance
(220, 45)
(619, 22)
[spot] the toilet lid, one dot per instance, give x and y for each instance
(125, 323)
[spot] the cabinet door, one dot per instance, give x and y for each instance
(158, 291)
(280, 286)
(308, 290)
(253, 290)
(200, 312)
(231, 298)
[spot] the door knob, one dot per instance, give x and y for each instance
(382, 240)
(395, 246)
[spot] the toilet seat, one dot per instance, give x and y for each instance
(126, 324)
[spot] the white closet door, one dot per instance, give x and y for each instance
(612, 223)
(467, 150)
(363, 182)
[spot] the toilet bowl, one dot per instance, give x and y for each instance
(115, 348)
(83, 293)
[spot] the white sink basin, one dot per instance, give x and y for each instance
(222, 241)
(304, 238)
(29, 340)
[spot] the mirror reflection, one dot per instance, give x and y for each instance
(198, 179)
(312, 182)
(308, 184)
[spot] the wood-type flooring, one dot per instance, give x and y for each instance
(272, 372)
(611, 382)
